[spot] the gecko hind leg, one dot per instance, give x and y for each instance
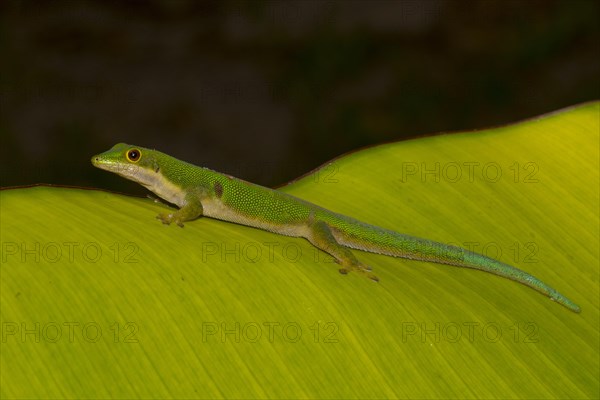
(322, 238)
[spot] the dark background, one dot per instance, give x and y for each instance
(270, 90)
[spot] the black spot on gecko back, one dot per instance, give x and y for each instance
(218, 189)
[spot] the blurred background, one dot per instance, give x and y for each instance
(268, 90)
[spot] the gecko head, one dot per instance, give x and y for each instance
(132, 162)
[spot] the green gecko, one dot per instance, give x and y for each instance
(199, 191)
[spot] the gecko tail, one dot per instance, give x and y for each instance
(361, 236)
(487, 264)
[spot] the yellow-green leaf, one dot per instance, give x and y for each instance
(99, 299)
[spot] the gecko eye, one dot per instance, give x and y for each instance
(133, 155)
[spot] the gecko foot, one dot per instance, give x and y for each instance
(168, 218)
(362, 269)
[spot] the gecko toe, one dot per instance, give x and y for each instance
(165, 218)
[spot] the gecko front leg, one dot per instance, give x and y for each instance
(191, 210)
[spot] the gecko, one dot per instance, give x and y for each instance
(199, 191)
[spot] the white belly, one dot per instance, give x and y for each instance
(214, 208)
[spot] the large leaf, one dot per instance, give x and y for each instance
(98, 299)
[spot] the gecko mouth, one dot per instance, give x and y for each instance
(126, 170)
(99, 162)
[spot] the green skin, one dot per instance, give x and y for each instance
(200, 192)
